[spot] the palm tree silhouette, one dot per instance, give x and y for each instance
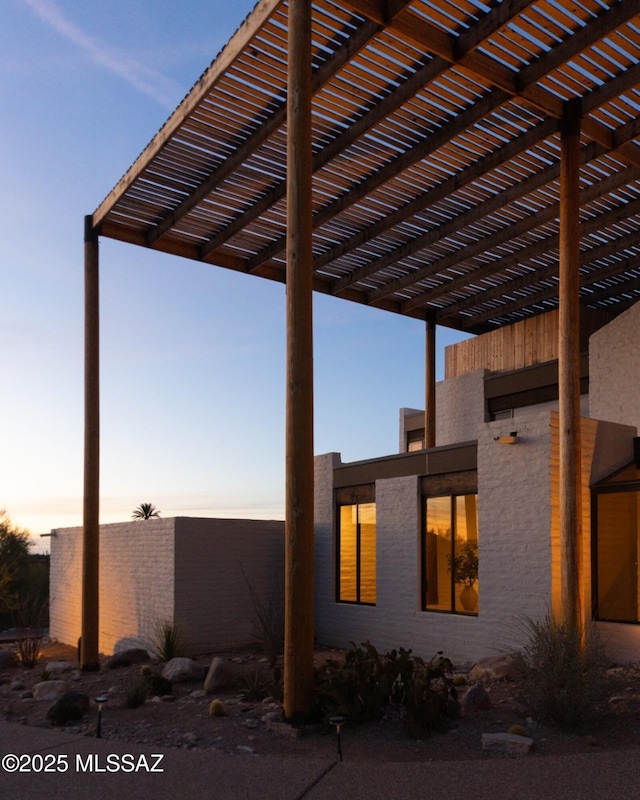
(145, 511)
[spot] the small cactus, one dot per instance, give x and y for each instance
(145, 670)
(459, 679)
(517, 730)
(217, 709)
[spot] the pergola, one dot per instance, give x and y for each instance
(466, 163)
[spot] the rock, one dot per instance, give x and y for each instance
(179, 670)
(476, 698)
(50, 690)
(57, 667)
(28, 695)
(198, 694)
(8, 659)
(69, 708)
(507, 743)
(493, 668)
(16, 686)
(223, 675)
(125, 658)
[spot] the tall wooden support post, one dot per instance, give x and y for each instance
(430, 382)
(298, 656)
(90, 542)
(569, 369)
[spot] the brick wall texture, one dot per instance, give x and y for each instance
(195, 573)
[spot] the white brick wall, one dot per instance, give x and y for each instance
(614, 370)
(514, 517)
(214, 560)
(187, 571)
(459, 408)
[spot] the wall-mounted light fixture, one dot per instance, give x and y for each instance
(510, 438)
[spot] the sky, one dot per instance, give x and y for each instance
(192, 356)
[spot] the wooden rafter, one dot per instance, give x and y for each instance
(435, 151)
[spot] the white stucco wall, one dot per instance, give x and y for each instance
(187, 571)
(614, 370)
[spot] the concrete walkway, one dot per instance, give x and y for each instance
(83, 768)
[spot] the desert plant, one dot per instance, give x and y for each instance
(564, 669)
(30, 617)
(431, 698)
(254, 686)
(145, 511)
(135, 694)
(165, 642)
(268, 624)
(217, 709)
(358, 688)
(366, 682)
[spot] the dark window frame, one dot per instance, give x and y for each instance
(344, 499)
(607, 488)
(423, 555)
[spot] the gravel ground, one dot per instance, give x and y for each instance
(184, 722)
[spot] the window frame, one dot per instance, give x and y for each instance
(608, 486)
(452, 496)
(362, 500)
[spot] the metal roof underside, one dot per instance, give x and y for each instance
(436, 156)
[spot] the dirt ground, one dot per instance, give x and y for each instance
(184, 721)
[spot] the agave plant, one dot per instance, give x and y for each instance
(145, 511)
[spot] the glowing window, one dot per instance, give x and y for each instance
(357, 553)
(616, 544)
(450, 554)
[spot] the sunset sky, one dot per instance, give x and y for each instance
(192, 382)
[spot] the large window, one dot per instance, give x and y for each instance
(450, 554)
(616, 538)
(357, 553)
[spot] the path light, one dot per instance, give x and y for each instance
(101, 699)
(338, 722)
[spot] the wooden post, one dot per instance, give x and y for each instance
(90, 541)
(298, 656)
(569, 369)
(430, 382)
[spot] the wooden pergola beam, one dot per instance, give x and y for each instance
(89, 645)
(299, 493)
(525, 225)
(569, 371)
(430, 407)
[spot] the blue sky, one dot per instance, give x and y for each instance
(192, 381)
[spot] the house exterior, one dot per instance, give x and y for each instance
(393, 534)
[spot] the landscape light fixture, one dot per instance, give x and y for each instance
(101, 699)
(338, 721)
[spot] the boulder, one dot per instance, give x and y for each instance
(223, 675)
(476, 698)
(71, 707)
(50, 690)
(493, 668)
(57, 667)
(125, 658)
(509, 743)
(179, 670)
